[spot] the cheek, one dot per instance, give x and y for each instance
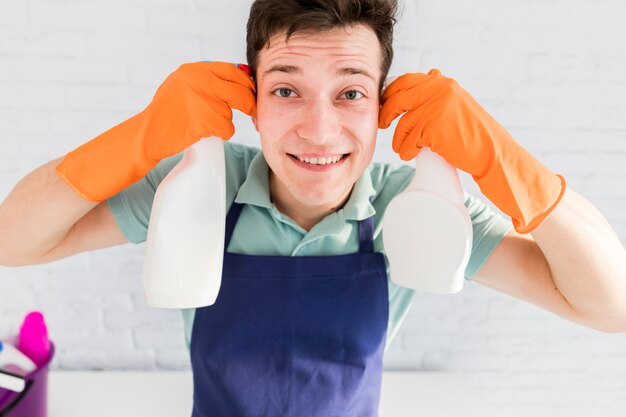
(364, 124)
(271, 127)
(270, 117)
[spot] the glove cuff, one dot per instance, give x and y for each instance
(521, 186)
(108, 163)
(533, 223)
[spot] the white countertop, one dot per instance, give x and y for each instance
(169, 394)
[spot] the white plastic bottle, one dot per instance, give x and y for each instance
(427, 231)
(14, 365)
(185, 242)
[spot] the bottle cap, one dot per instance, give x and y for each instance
(33, 338)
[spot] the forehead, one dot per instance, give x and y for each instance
(357, 44)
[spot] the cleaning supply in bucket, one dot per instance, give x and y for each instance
(25, 392)
(185, 242)
(33, 338)
(427, 231)
(14, 365)
(11, 357)
(12, 382)
(32, 401)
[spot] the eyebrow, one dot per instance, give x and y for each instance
(355, 71)
(291, 69)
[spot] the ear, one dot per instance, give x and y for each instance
(256, 126)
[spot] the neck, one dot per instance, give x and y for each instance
(305, 216)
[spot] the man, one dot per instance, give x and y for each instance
(306, 308)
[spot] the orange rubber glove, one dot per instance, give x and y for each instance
(444, 117)
(195, 101)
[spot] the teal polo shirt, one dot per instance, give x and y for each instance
(263, 230)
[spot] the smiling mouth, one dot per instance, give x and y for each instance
(329, 160)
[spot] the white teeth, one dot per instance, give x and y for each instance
(321, 161)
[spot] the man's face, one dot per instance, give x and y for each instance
(317, 99)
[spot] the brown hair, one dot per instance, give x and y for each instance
(268, 17)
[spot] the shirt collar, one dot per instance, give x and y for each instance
(255, 191)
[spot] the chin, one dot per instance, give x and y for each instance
(318, 198)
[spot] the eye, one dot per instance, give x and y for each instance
(283, 92)
(353, 95)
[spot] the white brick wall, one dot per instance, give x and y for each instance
(551, 71)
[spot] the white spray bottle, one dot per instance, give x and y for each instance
(185, 242)
(14, 365)
(427, 231)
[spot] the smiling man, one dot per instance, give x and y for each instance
(317, 106)
(306, 308)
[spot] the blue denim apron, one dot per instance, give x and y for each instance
(293, 336)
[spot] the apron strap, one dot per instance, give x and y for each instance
(366, 229)
(366, 235)
(231, 221)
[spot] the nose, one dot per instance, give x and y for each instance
(320, 121)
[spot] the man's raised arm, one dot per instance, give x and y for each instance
(37, 215)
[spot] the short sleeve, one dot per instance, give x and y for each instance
(488, 229)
